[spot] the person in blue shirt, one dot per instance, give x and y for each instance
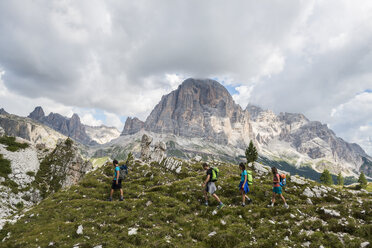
(116, 182)
(243, 185)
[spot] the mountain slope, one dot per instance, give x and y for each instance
(164, 209)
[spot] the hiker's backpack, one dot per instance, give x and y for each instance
(215, 172)
(123, 171)
(283, 180)
(249, 177)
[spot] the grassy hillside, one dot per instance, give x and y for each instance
(166, 210)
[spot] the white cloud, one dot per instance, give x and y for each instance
(112, 120)
(88, 119)
(244, 95)
(121, 56)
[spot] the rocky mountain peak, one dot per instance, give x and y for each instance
(37, 114)
(132, 126)
(3, 112)
(199, 108)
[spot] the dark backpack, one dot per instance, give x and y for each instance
(123, 171)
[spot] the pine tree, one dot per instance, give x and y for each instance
(251, 153)
(130, 159)
(362, 180)
(326, 178)
(340, 179)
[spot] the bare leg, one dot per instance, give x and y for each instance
(283, 198)
(243, 196)
(121, 192)
(216, 197)
(111, 193)
(205, 195)
(273, 198)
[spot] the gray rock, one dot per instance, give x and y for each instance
(308, 201)
(2, 132)
(364, 244)
(331, 212)
(159, 152)
(145, 147)
(298, 180)
(307, 192)
(197, 158)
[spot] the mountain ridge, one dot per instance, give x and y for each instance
(205, 109)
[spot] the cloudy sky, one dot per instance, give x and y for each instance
(107, 60)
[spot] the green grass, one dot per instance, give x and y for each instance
(369, 187)
(168, 210)
(11, 144)
(98, 162)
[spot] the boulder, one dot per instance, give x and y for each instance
(197, 158)
(260, 168)
(307, 192)
(298, 180)
(331, 212)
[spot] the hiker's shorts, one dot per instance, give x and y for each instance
(211, 188)
(246, 188)
(277, 190)
(116, 186)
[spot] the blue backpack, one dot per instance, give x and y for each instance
(123, 171)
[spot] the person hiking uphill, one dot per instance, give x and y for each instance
(276, 188)
(116, 182)
(243, 185)
(210, 187)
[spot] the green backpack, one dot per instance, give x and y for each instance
(249, 177)
(215, 172)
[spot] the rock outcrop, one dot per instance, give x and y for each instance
(145, 147)
(61, 168)
(132, 126)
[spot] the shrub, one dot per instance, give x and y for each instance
(5, 168)
(11, 144)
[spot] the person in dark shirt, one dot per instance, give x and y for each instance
(210, 187)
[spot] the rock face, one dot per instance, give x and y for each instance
(132, 126)
(30, 130)
(199, 108)
(70, 127)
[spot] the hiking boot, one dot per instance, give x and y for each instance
(206, 203)
(286, 206)
(243, 204)
(270, 206)
(109, 199)
(249, 201)
(220, 206)
(121, 198)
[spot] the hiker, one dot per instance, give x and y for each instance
(243, 185)
(210, 187)
(277, 189)
(116, 182)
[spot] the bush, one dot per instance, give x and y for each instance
(11, 144)
(5, 168)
